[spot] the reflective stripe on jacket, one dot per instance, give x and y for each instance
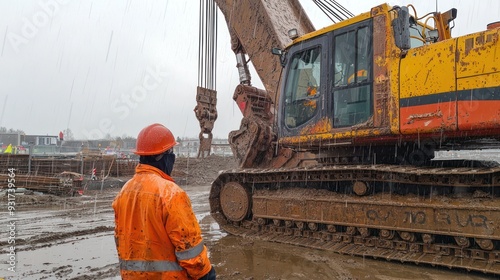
(157, 234)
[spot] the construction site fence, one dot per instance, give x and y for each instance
(51, 166)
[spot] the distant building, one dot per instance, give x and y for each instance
(188, 147)
(14, 139)
(127, 145)
(42, 140)
(221, 147)
(119, 147)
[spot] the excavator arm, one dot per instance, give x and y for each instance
(258, 26)
(255, 28)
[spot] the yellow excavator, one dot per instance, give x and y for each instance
(337, 151)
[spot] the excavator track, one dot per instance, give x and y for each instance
(446, 217)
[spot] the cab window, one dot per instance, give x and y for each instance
(302, 87)
(352, 98)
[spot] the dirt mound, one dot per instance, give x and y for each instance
(187, 171)
(198, 171)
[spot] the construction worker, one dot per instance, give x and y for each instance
(156, 232)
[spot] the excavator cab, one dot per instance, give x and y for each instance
(328, 79)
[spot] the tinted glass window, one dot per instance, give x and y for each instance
(302, 87)
(352, 101)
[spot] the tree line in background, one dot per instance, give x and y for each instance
(3, 129)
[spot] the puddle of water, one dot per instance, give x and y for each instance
(85, 255)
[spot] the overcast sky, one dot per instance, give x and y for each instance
(115, 66)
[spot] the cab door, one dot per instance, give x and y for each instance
(304, 86)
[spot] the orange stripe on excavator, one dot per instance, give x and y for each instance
(450, 116)
(478, 114)
(428, 118)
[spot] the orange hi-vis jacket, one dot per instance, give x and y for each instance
(157, 234)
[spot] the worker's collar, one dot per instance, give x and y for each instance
(146, 168)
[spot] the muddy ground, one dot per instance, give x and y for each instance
(72, 238)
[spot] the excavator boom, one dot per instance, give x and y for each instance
(258, 26)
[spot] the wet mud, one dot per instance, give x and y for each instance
(72, 238)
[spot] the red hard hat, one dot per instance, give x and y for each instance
(153, 140)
